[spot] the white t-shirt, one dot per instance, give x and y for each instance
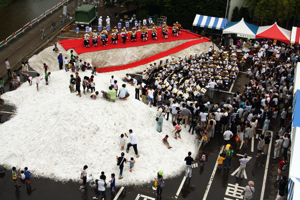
(133, 139)
(212, 84)
(203, 116)
(37, 80)
(101, 184)
(112, 81)
(218, 116)
(84, 173)
(227, 135)
(150, 93)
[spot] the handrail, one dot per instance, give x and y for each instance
(32, 22)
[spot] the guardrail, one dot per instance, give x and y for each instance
(32, 22)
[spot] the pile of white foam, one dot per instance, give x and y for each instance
(56, 133)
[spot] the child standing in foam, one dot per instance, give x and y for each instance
(122, 141)
(112, 81)
(83, 176)
(92, 84)
(38, 80)
(177, 130)
(131, 163)
(115, 85)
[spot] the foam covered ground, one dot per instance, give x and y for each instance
(55, 132)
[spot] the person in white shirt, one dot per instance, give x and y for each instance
(100, 189)
(150, 96)
(112, 81)
(227, 135)
(174, 110)
(128, 77)
(212, 84)
(133, 142)
(243, 162)
(38, 80)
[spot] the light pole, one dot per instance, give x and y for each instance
(226, 8)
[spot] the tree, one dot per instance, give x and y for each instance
(235, 14)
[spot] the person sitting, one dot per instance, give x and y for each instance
(86, 40)
(127, 77)
(95, 39)
(94, 95)
(123, 94)
(112, 94)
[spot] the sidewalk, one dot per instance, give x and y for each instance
(25, 45)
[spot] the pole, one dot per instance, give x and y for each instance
(76, 3)
(226, 8)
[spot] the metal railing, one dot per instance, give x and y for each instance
(32, 22)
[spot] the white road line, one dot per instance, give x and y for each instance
(7, 112)
(119, 192)
(252, 144)
(146, 197)
(200, 143)
(180, 187)
(137, 197)
(212, 176)
(262, 194)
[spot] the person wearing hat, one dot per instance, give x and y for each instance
(242, 168)
(249, 191)
(124, 35)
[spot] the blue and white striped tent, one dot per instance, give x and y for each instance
(209, 22)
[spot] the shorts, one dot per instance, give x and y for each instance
(122, 143)
(46, 79)
(84, 180)
(78, 88)
(102, 193)
(279, 171)
(150, 99)
(165, 142)
(225, 142)
(15, 180)
(178, 131)
(259, 151)
(112, 189)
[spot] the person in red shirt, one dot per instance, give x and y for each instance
(280, 170)
(165, 141)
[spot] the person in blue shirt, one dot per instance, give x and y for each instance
(112, 184)
(123, 94)
(60, 60)
(27, 176)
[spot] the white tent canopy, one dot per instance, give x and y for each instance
(241, 28)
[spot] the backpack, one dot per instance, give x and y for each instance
(284, 167)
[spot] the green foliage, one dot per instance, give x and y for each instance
(235, 15)
(5, 3)
(269, 11)
(244, 13)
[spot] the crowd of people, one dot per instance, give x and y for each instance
(178, 87)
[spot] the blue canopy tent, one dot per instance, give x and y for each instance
(209, 22)
(241, 28)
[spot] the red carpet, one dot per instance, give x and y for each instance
(77, 44)
(152, 58)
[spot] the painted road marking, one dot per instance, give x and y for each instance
(252, 144)
(212, 175)
(236, 171)
(7, 112)
(184, 178)
(119, 192)
(144, 197)
(235, 191)
(262, 194)
(180, 187)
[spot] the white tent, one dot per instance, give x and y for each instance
(241, 28)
